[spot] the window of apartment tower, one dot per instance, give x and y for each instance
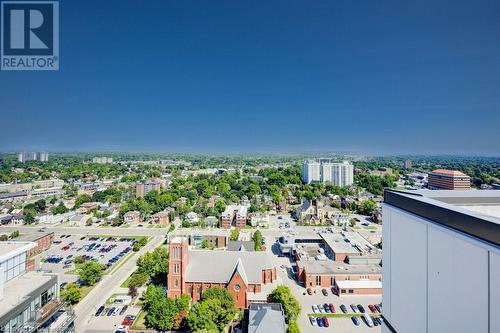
(237, 287)
(176, 282)
(318, 280)
(351, 291)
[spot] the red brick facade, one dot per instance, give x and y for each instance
(237, 286)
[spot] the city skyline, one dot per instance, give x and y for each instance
(386, 78)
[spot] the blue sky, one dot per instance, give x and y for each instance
(377, 77)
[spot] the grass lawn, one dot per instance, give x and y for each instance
(139, 321)
(126, 282)
(86, 290)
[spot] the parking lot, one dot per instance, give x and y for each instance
(336, 324)
(60, 258)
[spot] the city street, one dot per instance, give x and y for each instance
(109, 285)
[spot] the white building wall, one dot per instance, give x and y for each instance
(437, 280)
(494, 292)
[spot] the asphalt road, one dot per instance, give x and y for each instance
(86, 309)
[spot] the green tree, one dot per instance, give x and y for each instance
(367, 207)
(40, 205)
(90, 272)
(162, 313)
(235, 233)
(138, 279)
(59, 209)
(293, 327)
(71, 294)
(208, 315)
(82, 199)
(257, 238)
(29, 215)
(291, 306)
(154, 264)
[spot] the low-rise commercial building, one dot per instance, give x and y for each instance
(266, 318)
(29, 300)
(43, 241)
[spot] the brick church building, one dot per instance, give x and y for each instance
(248, 276)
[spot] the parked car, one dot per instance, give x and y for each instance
(372, 308)
(326, 307)
(321, 309)
(115, 311)
(122, 329)
(315, 308)
(309, 291)
(99, 311)
(320, 321)
(375, 321)
(313, 321)
(355, 320)
(354, 308)
(110, 311)
(105, 312)
(332, 308)
(325, 322)
(124, 308)
(368, 320)
(343, 308)
(325, 292)
(361, 308)
(378, 308)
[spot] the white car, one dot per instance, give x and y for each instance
(115, 311)
(122, 329)
(368, 320)
(321, 308)
(313, 320)
(315, 308)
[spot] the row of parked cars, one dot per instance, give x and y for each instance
(111, 311)
(370, 320)
(118, 256)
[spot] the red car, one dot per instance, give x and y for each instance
(372, 308)
(128, 321)
(325, 322)
(332, 308)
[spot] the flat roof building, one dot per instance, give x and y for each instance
(29, 300)
(441, 254)
(441, 179)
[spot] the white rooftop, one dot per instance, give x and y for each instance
(359, 284)
(19, 288)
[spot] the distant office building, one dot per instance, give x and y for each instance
(441, 253)
(29, 300)
(441, 179)
(324, 170)
(33, 156)
(408, 164)
(141, 189)
(102, 160)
